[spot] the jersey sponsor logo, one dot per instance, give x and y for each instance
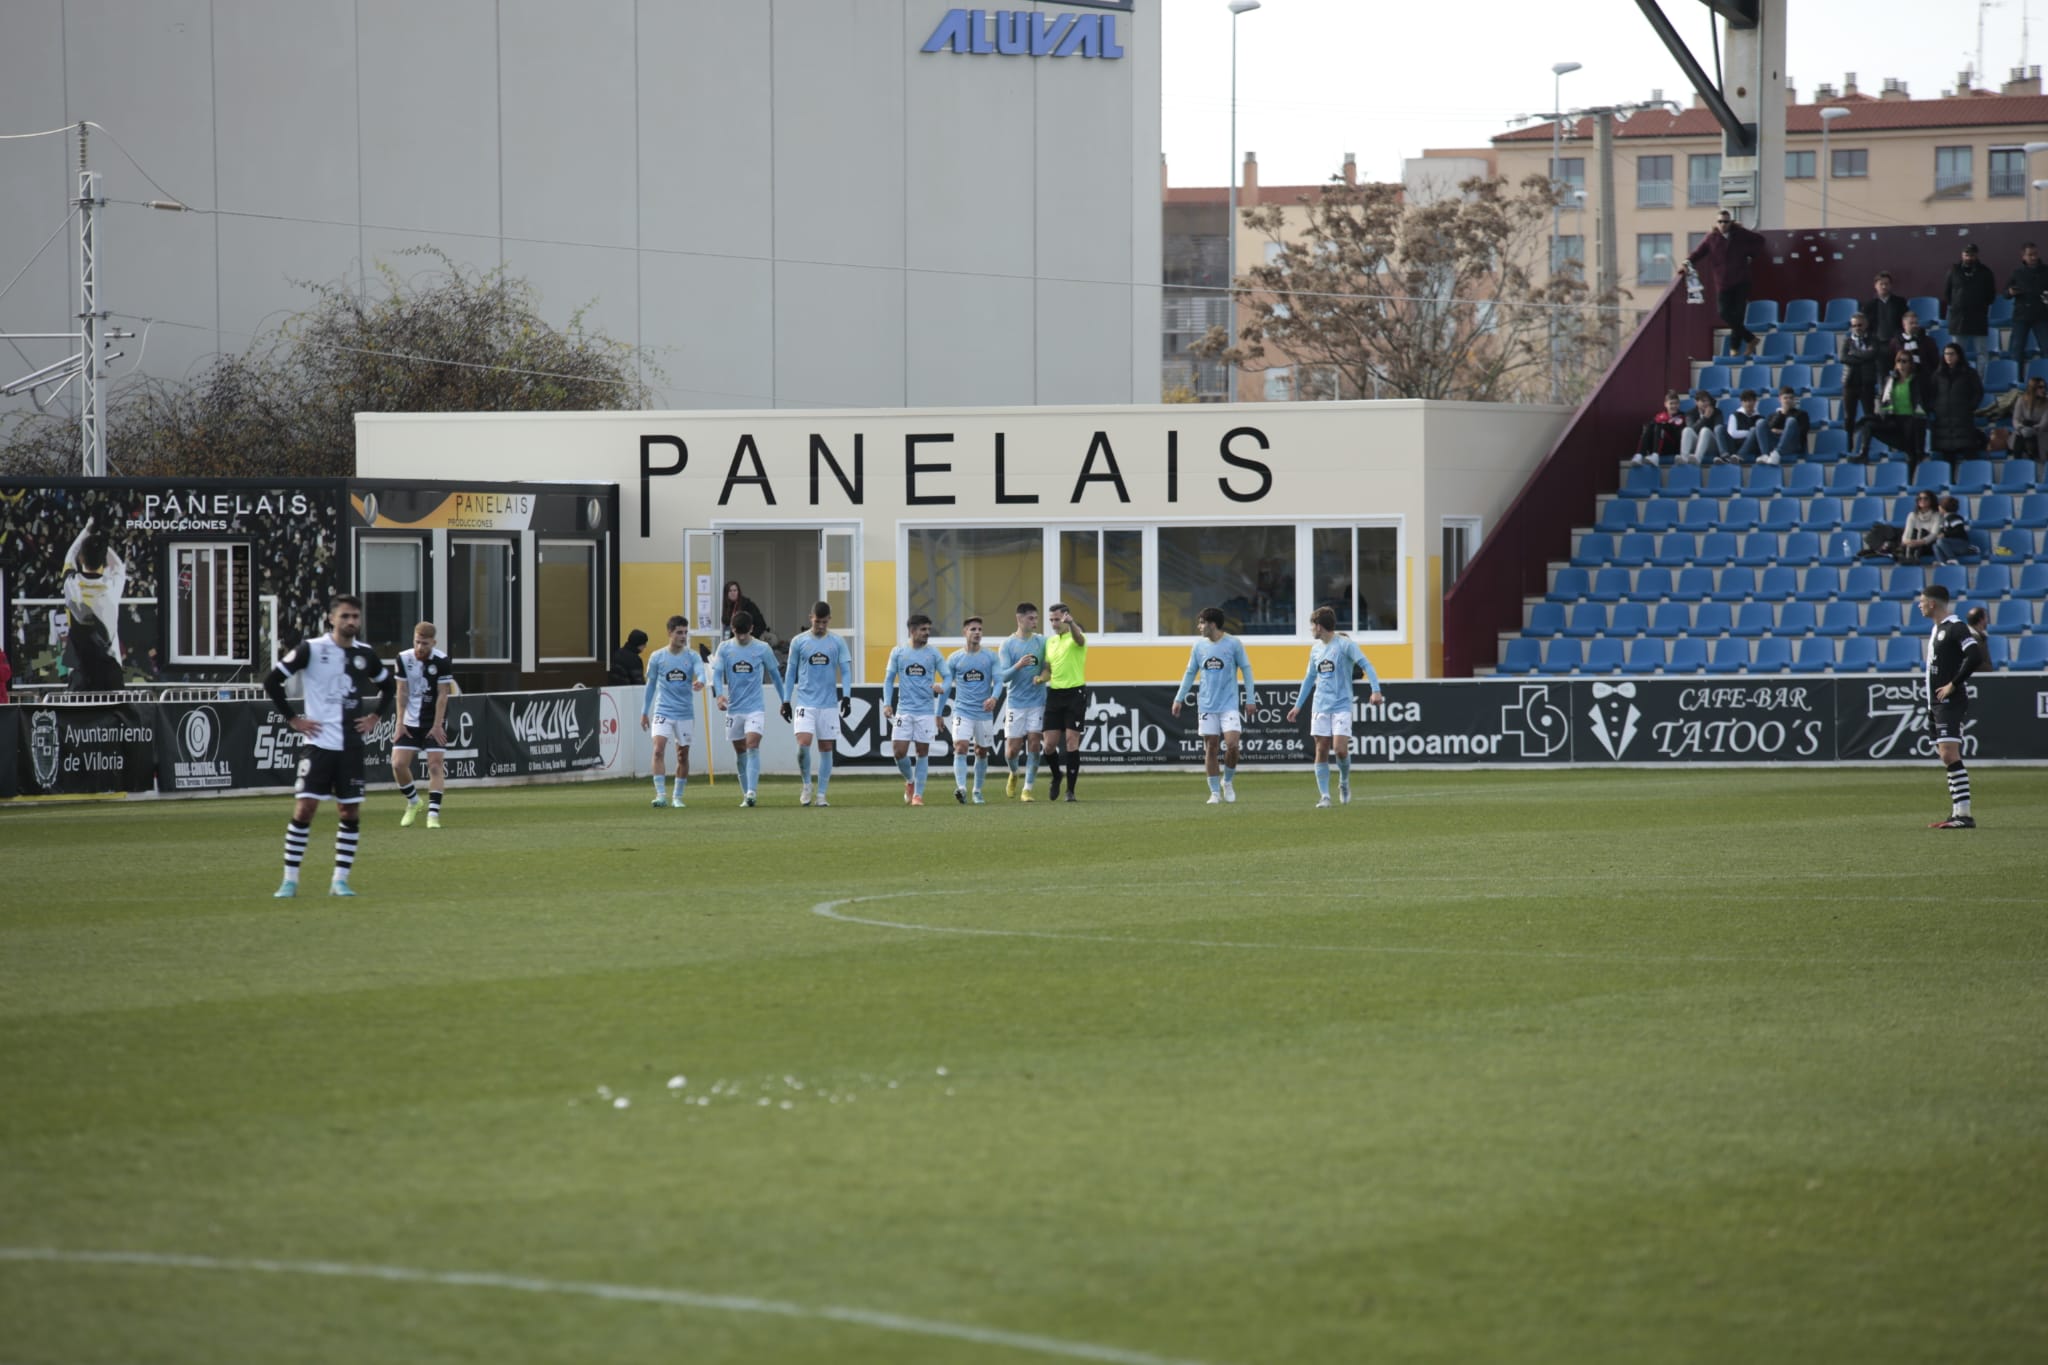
(676, 675)
(818, 659)
(743, 666)
(915, 671)
(1212, 664)
(973, 675)
(1326, 665)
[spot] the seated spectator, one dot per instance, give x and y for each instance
(1864, 360)
(1917, 342)
(1957, 392)
(1953, 544)
(1898, 420)
(1968, 295)
(2029, 417)
(1923, 524)
(1701, 439)
(1782, 433)
(1661, 433)
(1886, 311)
(1738, 426)
(2028, 290)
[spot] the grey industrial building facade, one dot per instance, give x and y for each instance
(785, 203)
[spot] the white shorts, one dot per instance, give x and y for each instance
(979, 727)
(681, 731)
(1330, 724)
(1020, 721)
(915, 729)
(1222, 722)
(820, 722)
(740, 724)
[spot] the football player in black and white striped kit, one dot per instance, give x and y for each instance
(425, 678)
(337, 672)
(1953, 653)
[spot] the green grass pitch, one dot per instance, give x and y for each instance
(1582, 1067)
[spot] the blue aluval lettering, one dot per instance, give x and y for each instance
(1013, 32)
(953, 34)
(978, 27)
(1077, 37)
(1018, 33)
(1048, 33)
(1111, 48)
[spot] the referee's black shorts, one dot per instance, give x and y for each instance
(1065, 708)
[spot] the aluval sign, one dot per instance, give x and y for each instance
(1025, 33)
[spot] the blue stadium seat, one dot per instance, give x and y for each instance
(1817, 349)
(1777, 347)
(1779, 583)
(1904, 583)
(2017, 543)
(1671, 620)
(1609, 585)
(1642, 481)
(1827, 380)
(1954, 577)
(1837, 619)
(1864, 512)
(1820, 415)
(1845, 481)
(1693, 585)
(2032, 513)
(1651, 585)
(1702, 513)
(1764, 480)
(1754, 376)
(2029, 655)
(1933, 475)
(1520, 656)
(1634, 549)
(1883, 618)
(1562, 656)
(1819, 584)
(1730, 656)
(2014, 616)
(1753, 619)
(1617, 516)
(1722, 481)
(2033, 582)
(1860, 584)
(1682, 481)
(2000, 315)
(1735, 585)
(1675, 550)
(1828, 446)
(1840, 548)
(1858, 656)
(1716, 548)
(1628, 618)
(1815, 656)
(1687, 656)
(1800, 315)
(1772, 656)
(1794, 618)
(2037, 368)
(1998, 650)
(1993, 512)
(1594, 550)
(1836, 317)
(1604, 656)
(1569, 585)
(1658, 516)
(1545, 620)
(1926, 307)
(1712, 618)
(1798, 376)
(1715, 379)
(1801, 548)
(1740, 514)
(1823, 513)
(2000, 375)
(1644, 656)
(1887, 478)
(1803, 480)
(1901, 655)
(1971, 476)
(1781, 515)
(1759, 548)
(2015, 477)
(1761, 316)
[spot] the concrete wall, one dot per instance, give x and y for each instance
(786, 203)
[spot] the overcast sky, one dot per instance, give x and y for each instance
(1319, 78)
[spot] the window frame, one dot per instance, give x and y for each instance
(458, 582)
(177, 653)
(1860, 169)
(1646, 195)
(595, 549)
(1812, 163)
(1670, 256)
(1954, 188)
(1992, 177)
(1569, 171)
(1702, 191)
(1054, 589)
(1472, 529)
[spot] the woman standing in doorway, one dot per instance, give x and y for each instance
(737, 600)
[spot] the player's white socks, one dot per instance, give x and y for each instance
(980, 770)
(681, 782)
(907, 768)
(824, 771)
(919, 772)
(660, 787)
(1323, 778)
(1230, 776)
(1030, 771)
(1344, 767)
(960, 771)
(803, 762)
(1216, 785)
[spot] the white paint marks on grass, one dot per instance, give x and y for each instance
(617, 1293)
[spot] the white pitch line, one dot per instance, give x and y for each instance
(618, 1293)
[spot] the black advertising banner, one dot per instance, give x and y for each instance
(85, 750)
(10, 736)
(530, 733)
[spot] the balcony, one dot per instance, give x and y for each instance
(1703, 194)
(1653, 194)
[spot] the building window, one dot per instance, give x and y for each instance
(1653, 182)
(1102, 577)
(1801, 165)
(1571, 172)
(1358, 575)
(1317, 383)
(1703, 179)
(1653, 258)
(390, 575)
(1248, 571)
(1952, 172)
(480, 601)
(1280, 384)
(1568, 251)
(1692, 242)
(2008, 173)
(1849, 164)
(568, 601)
(211, 610)
(955, 571)
(1461, 539)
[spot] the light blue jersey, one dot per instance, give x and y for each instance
(1331, 667)
(1218, 662)
(971, 679)
(738, 673)
(1021, 661)
(916, 670)
(671, 676)
(820, 671)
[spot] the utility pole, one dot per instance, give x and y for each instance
(1610, 274)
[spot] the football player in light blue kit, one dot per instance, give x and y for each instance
(972, 682)
(821, 682)
(737, 670)
(1022, 664)
(1218, 657)
(669, 710)
(1333, 661)
(914, 668)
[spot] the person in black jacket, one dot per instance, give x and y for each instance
(1969, 293)
(1886, 311)
(2028, 290)
(736, 601)
(1957, 393)
(627, 669)
(1863, 361)
(1916, 341)
(1728, 248)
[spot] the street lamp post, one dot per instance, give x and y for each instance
(1558, 71)
(1237, 7)
(1828, 116)
(2027, 153)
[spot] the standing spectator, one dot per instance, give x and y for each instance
(1957, 392)
(1898, 420)
(1864, 358)
(1918, 342)
(626, 669)
(1728, 249)
(736, 601)
(1782, 433)
(1923, 524)
(1740, 423)
(1886, 311)
(1968, 295)
(2030, 422)
(1701, 439)
(1662, 432)
(1953, 544)
(2028, 290)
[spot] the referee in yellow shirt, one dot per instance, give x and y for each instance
(1066, 662)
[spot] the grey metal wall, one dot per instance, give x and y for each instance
(784, 202)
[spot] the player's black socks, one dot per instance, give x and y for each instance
(295, 836)
(346, 835)
(433, 803)
(1959, 788)
(409, 792)
(1073, 769)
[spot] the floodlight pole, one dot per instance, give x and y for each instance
(92, 394)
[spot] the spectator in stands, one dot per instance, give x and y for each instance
(2030, 422)
(1662, 432)
(1886, 311)
(1740, 423)
(1728, 248)
(2028, 290)
(1968, 296)
(1957, 392)
(1898, 420)
(1782, 433)
(1953, 544)
(1923, 524)
(1864, 359)
(1917, 342)
(627, 667)
(1701, 439)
